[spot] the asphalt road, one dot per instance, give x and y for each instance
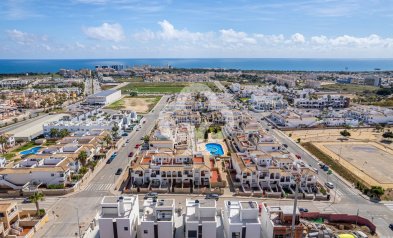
(85, 204)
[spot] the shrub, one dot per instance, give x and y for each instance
(55, 186)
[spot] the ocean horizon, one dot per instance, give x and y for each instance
(19, 66)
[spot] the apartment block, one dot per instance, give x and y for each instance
(119, 217)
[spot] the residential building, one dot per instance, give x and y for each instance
(119, 217)
(241, 219)
(326, 101)
(201, 219)
(157, 219)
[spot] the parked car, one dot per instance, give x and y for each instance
(315, 169)
(302, 209)
(137, 146)
(124, 134)
(391, 226)
(212, 196)
(285, 145)
(153, 195)
(131, 154)
(329, 185)
(119, 171)
(298, 157)
(26, 200)
(113, 156)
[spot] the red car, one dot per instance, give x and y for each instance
(137, 146)
(298, 156)
(131, 154)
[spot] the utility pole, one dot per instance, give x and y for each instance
(297, 175)
(79, 226)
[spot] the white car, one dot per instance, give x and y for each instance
(329, 185)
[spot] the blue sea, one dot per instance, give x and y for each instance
(281, 64)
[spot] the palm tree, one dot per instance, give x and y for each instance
(63, 133)
(36, 198)
(108, 139)
(3, 141)
(146, 139)
(54, 132)
(82, 158)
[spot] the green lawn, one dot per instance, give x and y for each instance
(163, 88)
(119, 104)
(26, 146)
(349, 88)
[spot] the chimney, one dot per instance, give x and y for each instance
(121, 206)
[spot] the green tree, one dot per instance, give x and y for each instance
(376, 191)
(108, 139)
(36, 198)
(115, 130)
(54, 132)
(387, 135)
(133, 93)
(82, 158)
(298, 140)
(146, 139)
(345, 133)
(63, 133)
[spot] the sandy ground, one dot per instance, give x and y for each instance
(372, 162)
(140, 105)
(313, 135)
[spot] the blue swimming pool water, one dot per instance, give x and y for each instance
(31, 151)
(214, 149)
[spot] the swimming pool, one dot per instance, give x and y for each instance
(214, 149)
(31, 151)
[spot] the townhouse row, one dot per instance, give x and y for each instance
(121, 217)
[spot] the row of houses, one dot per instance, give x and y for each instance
(53, 164)
(93, 120)
(120, 217)
(353, 116)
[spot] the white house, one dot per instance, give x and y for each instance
(201, 218)
(119, 217)
(157, 219)
(241, 219)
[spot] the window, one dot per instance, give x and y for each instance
(126, 228)
(192, 234)
(235, 234)
(52, 174)
(145, 231)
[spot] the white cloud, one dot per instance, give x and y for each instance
(319, 40)
(236, 37)
(107, 31)
(298, 38)
(24, 38)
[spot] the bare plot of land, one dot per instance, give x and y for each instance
(313, 135)
(371, 162)
(137, 104)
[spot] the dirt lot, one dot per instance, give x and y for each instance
(368, 158)
(140, 105)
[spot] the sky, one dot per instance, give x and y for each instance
(54, 29)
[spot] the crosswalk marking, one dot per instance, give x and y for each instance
(389, 206)
(99, 187)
